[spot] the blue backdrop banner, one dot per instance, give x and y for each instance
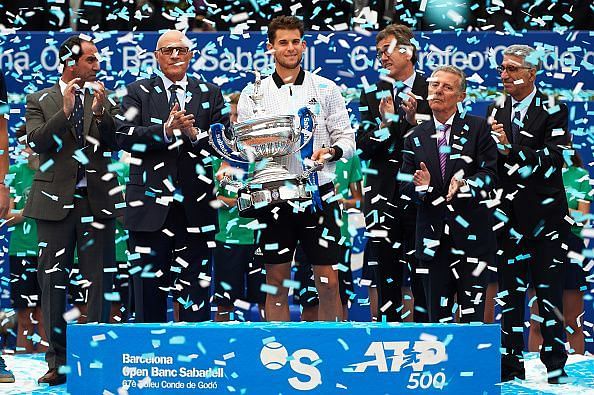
(287, 358)
(30, 59)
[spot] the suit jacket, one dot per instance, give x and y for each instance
(533, 196)
(385, 152)
(160, 173)
(53, 137)
(473, 156)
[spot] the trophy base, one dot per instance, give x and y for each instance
(254, 202)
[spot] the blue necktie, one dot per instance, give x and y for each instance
(78, 121)
(173, 96)
(77, 117)
(398, 102)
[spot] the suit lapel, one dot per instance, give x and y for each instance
(533, 111)
(88, 114)
(384, 86)
(159, 102)
(455, 135)
(429, 145)
(193, 106)
(55, 95)
(504, 117)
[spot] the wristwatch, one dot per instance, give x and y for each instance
(332, 152)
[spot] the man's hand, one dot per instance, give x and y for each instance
(225, 170)
(323, 155)
(455, 185)
(502, 141)
(386, 107)
(422, 176)
(178, 120)
(409, 106)
(69, 96)
(98, 98)
(192, 133)
(4, 200)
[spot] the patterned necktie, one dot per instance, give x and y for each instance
(442, 143)
(515, 126)
(173, 96)
(77, 119)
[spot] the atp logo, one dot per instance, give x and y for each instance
(393, 356)
(274, 356)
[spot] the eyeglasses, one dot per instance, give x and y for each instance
(511, 69)
(380, 52)
(169, 50)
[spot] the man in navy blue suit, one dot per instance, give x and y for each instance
(532, 135)
(171, 222)
(452, 162)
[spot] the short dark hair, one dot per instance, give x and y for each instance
(284, 22)
(68, 49)
(403, 35)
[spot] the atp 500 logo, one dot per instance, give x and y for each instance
(274, 356)
(423, 353)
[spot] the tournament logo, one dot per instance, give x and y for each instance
(274, 356)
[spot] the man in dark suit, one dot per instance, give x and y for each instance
(453, 161)
(388, 110)
(74, 198)
(168, 213)
(532, 136)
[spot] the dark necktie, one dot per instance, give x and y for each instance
(173, 97)
(78, 121)
(443, 155)
(77, 117)
(398, 102)
(515, 126)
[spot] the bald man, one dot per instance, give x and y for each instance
(171, 223)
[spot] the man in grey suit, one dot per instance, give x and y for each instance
(74, 198)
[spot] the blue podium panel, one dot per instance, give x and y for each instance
(283, 358)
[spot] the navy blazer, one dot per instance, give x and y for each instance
(532, 172)
(473, 156)
(161, 171)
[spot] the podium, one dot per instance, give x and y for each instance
(283, 358)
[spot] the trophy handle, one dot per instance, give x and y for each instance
(307, 122)
(219, 141)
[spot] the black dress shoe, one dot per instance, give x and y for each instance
(558, 377)
(52, 377)
(512, 376)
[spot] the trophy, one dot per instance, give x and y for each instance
(263, 139)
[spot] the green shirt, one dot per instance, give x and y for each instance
(232, 228)
(347, 172)
(577, 187)
(121, 234)
(23, 238)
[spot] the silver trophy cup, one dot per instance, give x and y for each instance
(262, 139)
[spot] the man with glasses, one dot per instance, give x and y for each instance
(532, 134)
(389, 109)
(168, 213)
(74, 198)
